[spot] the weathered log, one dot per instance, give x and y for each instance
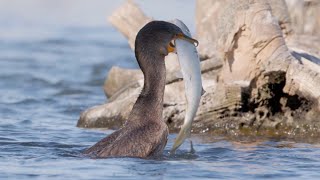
(115, 81)
(174, 100)
(207, 13)
(129, 19)
(120, 78)
(206, 21)
(254, 50)
(261, 87)
(305, 16)
(120, 103)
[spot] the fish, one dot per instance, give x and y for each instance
(191, 72)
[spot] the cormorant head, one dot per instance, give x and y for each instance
(156, 40)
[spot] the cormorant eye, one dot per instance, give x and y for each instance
(172, 44)
(171, 47)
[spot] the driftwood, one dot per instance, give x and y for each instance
(305, 16)
(254, 82)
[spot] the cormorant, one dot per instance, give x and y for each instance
(145, 133)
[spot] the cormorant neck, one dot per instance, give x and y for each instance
(149, 105)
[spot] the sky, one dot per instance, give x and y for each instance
(86, 12)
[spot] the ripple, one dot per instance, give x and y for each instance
(179, 155)
(66, 92)
(6, 139)
(26, 122)
(7, 127)
(41, 144)
(26, 101)
(73, 110)
(70, 154)
(25, 79)
(214, 154)
(6, 111)
(58, 41)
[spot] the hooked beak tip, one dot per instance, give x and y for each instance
(187, 38)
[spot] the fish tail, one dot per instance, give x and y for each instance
(183, 134)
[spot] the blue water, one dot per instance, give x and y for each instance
(50, 71)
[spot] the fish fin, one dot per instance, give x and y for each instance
(203, 91)
(192, 151)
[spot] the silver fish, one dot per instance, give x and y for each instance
(191, 72)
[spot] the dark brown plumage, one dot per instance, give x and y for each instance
(144, 133)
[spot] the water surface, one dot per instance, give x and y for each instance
(53, 60)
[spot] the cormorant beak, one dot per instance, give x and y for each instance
(172, 48)
(187, 38)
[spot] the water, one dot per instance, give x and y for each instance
(52, 68)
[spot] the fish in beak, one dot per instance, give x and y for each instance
(190, 67)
